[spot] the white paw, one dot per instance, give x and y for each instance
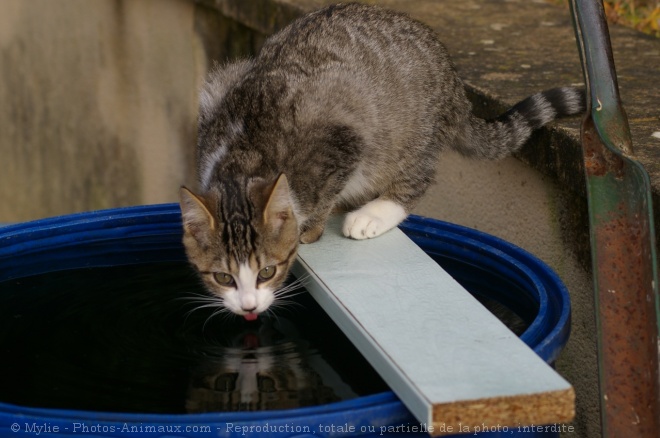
(363, 226)
(373, 219)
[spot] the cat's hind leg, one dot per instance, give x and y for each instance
(373, 219)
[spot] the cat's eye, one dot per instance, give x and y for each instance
(267, 273)
(223, 279)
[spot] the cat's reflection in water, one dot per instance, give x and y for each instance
(262, 366)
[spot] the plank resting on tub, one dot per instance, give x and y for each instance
(449, 360)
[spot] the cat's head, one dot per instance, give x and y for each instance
(242, 237)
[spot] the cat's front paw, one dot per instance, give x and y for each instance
(362, 226)
(311, 235)
(373, 219)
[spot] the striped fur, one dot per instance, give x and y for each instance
(348, 107)
(509, 132)
(239, 228)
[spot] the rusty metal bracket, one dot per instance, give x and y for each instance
(622, 243)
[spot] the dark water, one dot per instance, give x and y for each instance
(123, 339)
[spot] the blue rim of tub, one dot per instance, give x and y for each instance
(134, 235)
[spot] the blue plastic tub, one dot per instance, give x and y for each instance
(485, 265)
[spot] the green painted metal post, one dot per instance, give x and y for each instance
(622, 243)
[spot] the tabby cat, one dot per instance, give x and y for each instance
(346, 108)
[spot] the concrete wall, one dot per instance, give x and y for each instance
(98, 104)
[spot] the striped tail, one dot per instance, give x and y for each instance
(499, 138)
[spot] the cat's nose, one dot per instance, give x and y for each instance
(249, 316)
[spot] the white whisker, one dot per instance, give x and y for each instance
(295, 285)
(283, 296)
(203, 301)
(194, 295)
(271, 314)
(287, 298)
(217, 312)
(205, 306)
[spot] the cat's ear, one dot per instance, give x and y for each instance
(279, 207)
(195, 213)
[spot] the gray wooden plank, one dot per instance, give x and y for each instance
(445, 356)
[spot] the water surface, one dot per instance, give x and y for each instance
(126, 339)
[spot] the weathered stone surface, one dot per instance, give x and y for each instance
(98, 104)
